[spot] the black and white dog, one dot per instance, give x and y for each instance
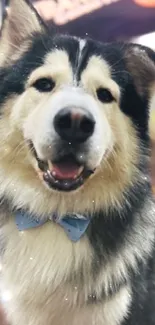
(77, 214)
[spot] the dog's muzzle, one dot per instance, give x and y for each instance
(66, 171)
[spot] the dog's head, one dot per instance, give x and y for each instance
(73, 115)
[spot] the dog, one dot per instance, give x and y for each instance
(77, 213)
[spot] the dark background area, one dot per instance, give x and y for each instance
(121, 20)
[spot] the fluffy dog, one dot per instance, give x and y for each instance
(77, 214)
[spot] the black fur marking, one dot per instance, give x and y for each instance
(107, 231)
(15, 76)
(136, 107)
(142, 310)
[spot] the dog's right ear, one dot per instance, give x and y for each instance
(20, 22)
(140, 62)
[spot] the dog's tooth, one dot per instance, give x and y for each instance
(50, 164)
(80, 170)
(49, 174)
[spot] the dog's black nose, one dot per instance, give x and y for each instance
(74, 124)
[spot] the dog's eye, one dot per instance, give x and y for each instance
(104, 95)
(44, 84)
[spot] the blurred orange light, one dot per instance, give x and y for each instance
(145, 3)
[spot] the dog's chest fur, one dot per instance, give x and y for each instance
(49, 286)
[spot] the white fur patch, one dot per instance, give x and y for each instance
(82, 44)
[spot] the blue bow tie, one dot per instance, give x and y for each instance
(74, 225)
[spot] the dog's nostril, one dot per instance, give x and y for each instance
(74, 125)
(87, 125)
(64, 122)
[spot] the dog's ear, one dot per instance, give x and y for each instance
(141, 66)
(20, 22)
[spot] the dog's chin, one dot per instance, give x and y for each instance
(64, 174)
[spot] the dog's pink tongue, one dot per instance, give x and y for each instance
(65, 171)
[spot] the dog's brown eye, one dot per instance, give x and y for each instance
(44, 84)
(104, 95)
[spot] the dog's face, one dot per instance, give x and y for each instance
(73, 113)
(64, 114)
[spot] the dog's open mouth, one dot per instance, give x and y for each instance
(65, 174)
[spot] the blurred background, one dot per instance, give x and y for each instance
(103, 20)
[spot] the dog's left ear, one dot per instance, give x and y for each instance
(20, 22)
(140, 63)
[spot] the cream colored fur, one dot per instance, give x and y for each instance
(39, 287)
